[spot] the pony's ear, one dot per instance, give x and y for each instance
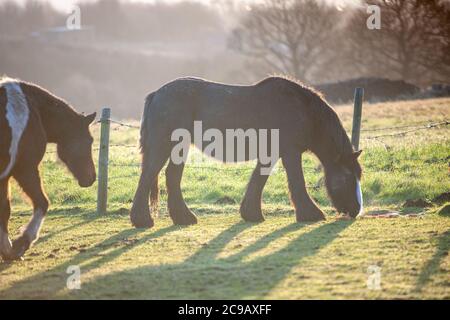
(90, 118)
(356, 154)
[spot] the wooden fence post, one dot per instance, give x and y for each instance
(357, 113)
(103, 159)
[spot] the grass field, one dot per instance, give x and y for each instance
(225, 258)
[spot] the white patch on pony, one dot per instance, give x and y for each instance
(5, 244)
(359, 198)
(34, 226)
(17, 114)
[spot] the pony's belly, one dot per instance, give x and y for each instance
(236, 144)
(229, 156)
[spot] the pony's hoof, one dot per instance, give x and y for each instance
(5, 248)
(253, 219)
(312, 215)
(12, 258)
(185, 219)
(251, 214)
(140, 217)
(19, 247)
(142, 222)
(6, 257)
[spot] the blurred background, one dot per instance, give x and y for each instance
(126, 49)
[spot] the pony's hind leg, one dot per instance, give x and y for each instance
(178, 210)
(5, 212)
(152, 163)
(251, 204)
(305, 208)
(30, 182)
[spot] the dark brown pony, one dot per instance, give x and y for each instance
(305, 122)
(31, 117)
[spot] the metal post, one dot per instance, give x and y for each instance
(103, 159)
(357, 113)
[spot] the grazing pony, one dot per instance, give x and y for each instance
(30, 117)
(305, 122)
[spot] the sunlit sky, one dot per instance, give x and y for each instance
(66, 5)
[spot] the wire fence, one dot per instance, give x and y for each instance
(408, 126)
(412, 128)
(121, 124)
(390, 132)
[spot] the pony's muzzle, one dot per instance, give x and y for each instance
(85, 183)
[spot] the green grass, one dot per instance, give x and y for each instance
(224, 258)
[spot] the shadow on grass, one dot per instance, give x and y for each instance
(49, 283)
(204, 275)
(432, 266)
(87, 217)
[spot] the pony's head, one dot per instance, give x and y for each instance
(342, 179)
(75, 149)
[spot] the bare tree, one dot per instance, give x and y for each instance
(291, 37)
(23, 19)
(412, 44)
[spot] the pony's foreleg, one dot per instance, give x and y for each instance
(5, 212)
(30, 182)
(251, 204)
(305, 207)
(152, 164)
(178, 210)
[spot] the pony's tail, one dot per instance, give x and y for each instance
(145, 131)
(145, 125)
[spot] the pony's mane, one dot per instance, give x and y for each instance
(5, 79)
(329, 123)
(326, 120)
(293, 81)
(62, 105)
